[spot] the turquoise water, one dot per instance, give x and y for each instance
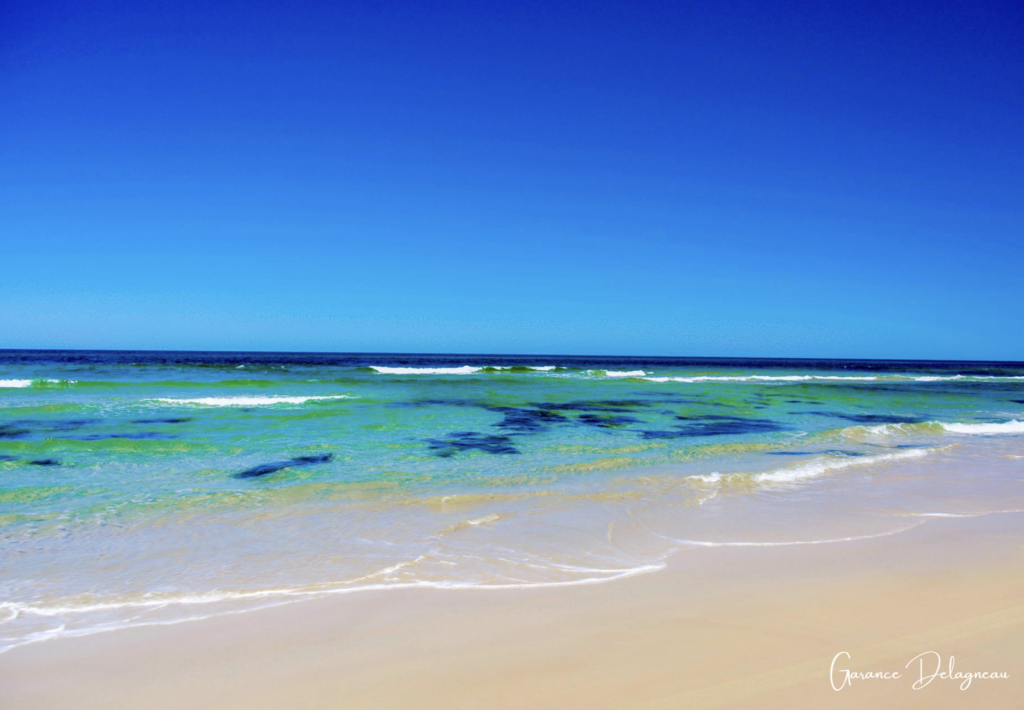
(158, 487)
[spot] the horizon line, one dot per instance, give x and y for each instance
(525, 355)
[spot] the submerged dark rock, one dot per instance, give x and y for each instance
(663, 434)
(9, 431)
(470, 441)
(440, 403)
(599, 405)
(607, 422)
(268, 468)
(18, 429)
(317, 458)
(830, 452)
(45, 462)
(527, 421)
(859, 418)
(716, 425)
(68, 424)
(135, 435)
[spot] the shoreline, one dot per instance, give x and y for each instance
(834, 510)
(693, 635)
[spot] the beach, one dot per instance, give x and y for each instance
(253, 530)
(719, 628)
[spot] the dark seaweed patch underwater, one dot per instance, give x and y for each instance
(268, 468)
(471, 441)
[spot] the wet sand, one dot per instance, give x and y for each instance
(725, 627)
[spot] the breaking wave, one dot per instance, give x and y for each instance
(214, 602)
(248, 401)
(463, 370)
(832, 378)
(1011, 427)
(34, 383)
(815, 468)
(617, 373)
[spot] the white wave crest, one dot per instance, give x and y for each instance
(464, 370)
(973, 378)
(979, 514)
(890, 429)
(757, 378)
(992, 377)
(788, 543)
(820, 466)
(270, 597)
(1011, 427)
(249, 401)
(830, 378)
(616, 373)
(29, 383)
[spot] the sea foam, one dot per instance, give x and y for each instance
(249, 401)
(269, 597)
(1011, 427)
(30, 383)
(820, 466)
(757, 378)
(463, 370)
(833, 378)
(788, 543)
(616, 373)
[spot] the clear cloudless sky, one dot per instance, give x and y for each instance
(817, 179)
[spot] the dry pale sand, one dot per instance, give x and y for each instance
(721, 628)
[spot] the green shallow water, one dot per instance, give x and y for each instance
(153, 487)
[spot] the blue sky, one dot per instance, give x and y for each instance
(762, 179)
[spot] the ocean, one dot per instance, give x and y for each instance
(162, 487)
